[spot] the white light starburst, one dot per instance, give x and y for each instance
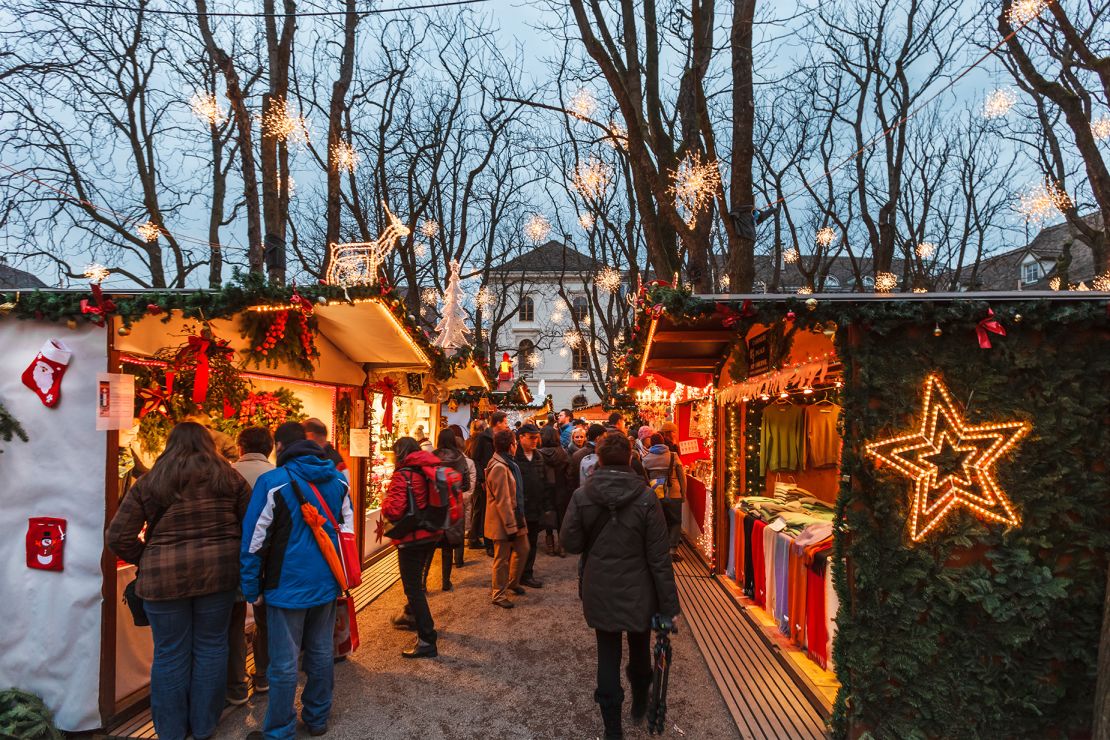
(1044, 201)
(725, 281)
(791, 256)
(1024, 11)
(1100, 128)
(420, 249)
(576, 375)
(280, 123)
(573, 338)
(694, 185)
(429, 229)
(1101, 282)
(618, 136)
(825, 236)
(586, 221)
(207, 108)
(582, 104)
(486, 299)
(96, 273)
(537, 228)
(885, 282)
(564, 352)
(591, 178)
(1054, 283)
(346, 156)
(925, 250)
(429, 297)
(805, 290)
(920, 290)
(608, 279)
(148, 232)
(999, 102)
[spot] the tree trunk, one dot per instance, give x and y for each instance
(336, 110)
(275, 193)
(1101, 728)
(741, 248)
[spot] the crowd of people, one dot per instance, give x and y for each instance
(215, 526)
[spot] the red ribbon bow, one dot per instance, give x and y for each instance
(387, 387)
(103, 307)
(729, 315)
(156, 399)
(302, 304)
(747, 308)
(989, 324)
(200, 347)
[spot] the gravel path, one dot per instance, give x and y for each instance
(527, 672)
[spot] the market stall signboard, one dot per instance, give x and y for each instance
(759, 353)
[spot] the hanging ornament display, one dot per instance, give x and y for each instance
(275, 339)
(951, 462)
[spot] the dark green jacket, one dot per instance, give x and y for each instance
(537, 491)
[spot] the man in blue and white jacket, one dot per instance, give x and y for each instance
(281, 561)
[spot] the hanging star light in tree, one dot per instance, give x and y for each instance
(951, 462)
(96, 273)
(452, 329)
(346, 156)
(825, 236)
(591, 178)
(618, 136)
(925, 250)
(486, 299)
(586, 221)
(206, 107)
(694, 185)
(1100, 128)
(725, 281)
(429, 297)
(537, 228)
(1024, 11)
(885, 282)
(1042, 202)
(608, 279)
(429, 229)
(999, 102)
(420, 249)
(791, 256)
(582, 104)
(148, 232)
(357, 263)
(282, 124)
(1101, 282)
(573, 338)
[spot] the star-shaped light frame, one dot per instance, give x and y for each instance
(976, 489)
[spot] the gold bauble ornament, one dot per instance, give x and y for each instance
(71, 324)
(811, 304)
(937, 331)
(1017, 318)
(830, 329)
(124, 331)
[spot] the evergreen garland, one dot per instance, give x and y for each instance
(24, 715)
(10, 426)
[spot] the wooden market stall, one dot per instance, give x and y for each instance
(912, 435)
(135, 363)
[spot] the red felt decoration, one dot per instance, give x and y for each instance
(988, 324)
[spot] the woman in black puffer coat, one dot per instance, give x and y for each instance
(557, 467)
(615, 521)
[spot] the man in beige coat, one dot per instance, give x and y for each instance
(504, 522)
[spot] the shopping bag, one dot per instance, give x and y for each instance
(345, 637)
(348, 546)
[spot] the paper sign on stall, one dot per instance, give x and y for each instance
(688, 447)
(360, 443)
(115, 401)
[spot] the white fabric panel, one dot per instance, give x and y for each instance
(460, 417)
(50, 642)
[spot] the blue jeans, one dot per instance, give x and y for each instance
(289, 631)
(188, 679)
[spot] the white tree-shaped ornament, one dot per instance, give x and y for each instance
(452, 327)
(357, 263)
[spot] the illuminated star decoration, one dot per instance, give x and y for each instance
(536, 228)
(951, 462)
(925, 250)
(825, 236)
(148, 232)
(582, 105)
(96, 273)
(346, 156)
(694, 185)
(591, 178)
(207, 108)
(999, 103)
(1100, 128)
(1042, 202)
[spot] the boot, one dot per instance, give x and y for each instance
(611, 714)
(559, 550)
(550, 543)
(641, 688)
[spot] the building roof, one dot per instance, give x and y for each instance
(13, 279)
(1003, 271)
(554, 256)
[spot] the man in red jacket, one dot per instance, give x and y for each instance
(414, 468)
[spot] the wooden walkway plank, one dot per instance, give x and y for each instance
(762, 697)
(376, 580)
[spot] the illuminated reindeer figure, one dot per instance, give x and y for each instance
(357, 263)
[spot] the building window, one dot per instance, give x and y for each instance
(1031, 272)
(580, 307)
(527, 310)
(526, 356)
(580, 359)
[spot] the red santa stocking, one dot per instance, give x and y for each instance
(44, 374)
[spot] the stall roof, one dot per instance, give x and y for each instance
(683, 349)
(470, 375)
